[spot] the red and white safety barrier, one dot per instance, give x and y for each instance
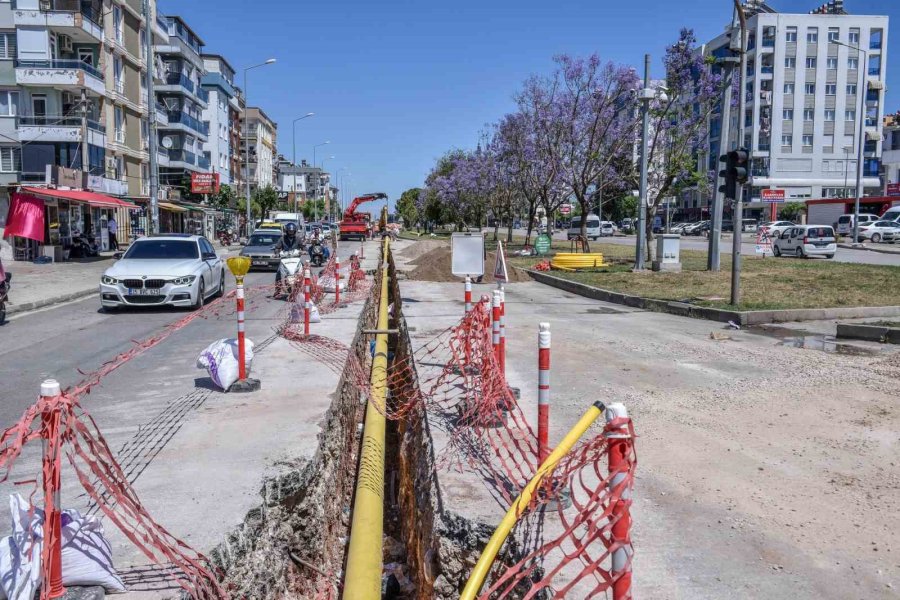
(502, 330)
(242, 366)
(337, 279)
(619, 470)
(307, 303)
(468, 296)
(543, 392)
(362, 249)
(495, 324)
(52, 465)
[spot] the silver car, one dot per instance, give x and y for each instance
(175, 270)
(260, 249)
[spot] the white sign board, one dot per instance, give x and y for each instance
(467, 254)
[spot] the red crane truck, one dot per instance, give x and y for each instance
(357, 224)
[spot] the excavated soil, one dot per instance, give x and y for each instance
(434, 265)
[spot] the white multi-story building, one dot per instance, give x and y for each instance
(259, 132)
(219, 82)
(890, 158)
(810, 79)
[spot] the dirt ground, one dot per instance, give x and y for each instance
(433, 264)
(766, 470)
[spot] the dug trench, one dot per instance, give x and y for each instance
(294, 544)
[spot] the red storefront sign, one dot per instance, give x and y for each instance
(772, 195)
(204, 183)
(893, 189)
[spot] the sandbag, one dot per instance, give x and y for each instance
(86, 554)
(220, 359)
(297, 313)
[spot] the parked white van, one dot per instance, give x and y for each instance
(804, 241)
(592, 231)
(845, 222)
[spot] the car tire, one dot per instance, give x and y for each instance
(221, 291)
(800, 253)
(876, 237)
(776, 251)
(201, 290)
(829, 256)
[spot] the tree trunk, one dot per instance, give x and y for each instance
(509, 230)
(496, 230)
(532, 208)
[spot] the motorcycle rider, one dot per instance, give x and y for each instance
(318, 242)
(289, 241)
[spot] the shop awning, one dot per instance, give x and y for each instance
(92, 198)
(172, 207)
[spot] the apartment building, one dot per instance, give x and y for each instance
(236, 108)
(890, 158)
(260, 135)
(182, 98)
(125, 114)
(219, 83)
(807, 75)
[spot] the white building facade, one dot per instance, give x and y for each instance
(806, 93)
(219, 82)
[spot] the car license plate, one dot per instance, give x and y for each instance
(140, 292)
(260, 262)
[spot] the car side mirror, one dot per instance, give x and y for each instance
(118, 255)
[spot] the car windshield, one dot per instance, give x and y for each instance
(885, 224)
(844, 219)
(819, 232)
(268, 239)
(163, 249)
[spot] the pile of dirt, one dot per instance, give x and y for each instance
(435, 266)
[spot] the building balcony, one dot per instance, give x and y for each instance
(162, 115)
(184, 122)
(178, 83)
(52, 128)
(63, 16)
(68, 75)
(203, 163)
(183, 159)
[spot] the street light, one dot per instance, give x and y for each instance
(247, 141)
(294, 154)
(861, 91)
(316, 191)
(316, 207)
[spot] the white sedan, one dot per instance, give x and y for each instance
(775, 228)
(879, 231)
(175, 270)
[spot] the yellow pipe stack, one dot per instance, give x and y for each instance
(572, 261)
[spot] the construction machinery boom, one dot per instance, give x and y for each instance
(355, 224)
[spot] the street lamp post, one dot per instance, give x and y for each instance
(861, 142)
(247, 142)
(318, 178)
(294, 154)
(325, 194)
(646, 96)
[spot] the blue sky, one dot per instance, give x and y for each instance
(396, 83)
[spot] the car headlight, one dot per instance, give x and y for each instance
(109, 280)
(187, 280)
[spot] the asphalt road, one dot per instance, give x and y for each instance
(748, 248)
(59, 342)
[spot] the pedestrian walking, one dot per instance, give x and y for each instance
(112, 227)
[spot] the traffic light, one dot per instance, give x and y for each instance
(736, 171)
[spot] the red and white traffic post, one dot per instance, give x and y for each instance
(307, 303)
(242, 366)
(362, 248)
(543, 392)
(502, 329)
(468, 296)
(620, 482)
(495, 324)
(50, 390)
(337, 279)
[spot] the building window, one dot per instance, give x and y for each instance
(790, 34)
(7, 44)
(789, 88)
(854, 36)
(851, 89)
(810, 88)
(831, 63)
(809, 114)
(811, 62)
(833, 34)
(831, 89)
(120, 125)
(812, 35)
(9, 103)
(807, 141)
(849, 115)
(143, 38)
(117, 22)
(875, 39)
(853, 64)
(875, 65)
(117, 75)
(829, 115)
(787, 114)
(10, 159)
(787, 140)
(790, 62)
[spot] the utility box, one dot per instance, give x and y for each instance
(668, 253)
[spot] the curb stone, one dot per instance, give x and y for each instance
(869, 249)
(28, 306)
(744, 318)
